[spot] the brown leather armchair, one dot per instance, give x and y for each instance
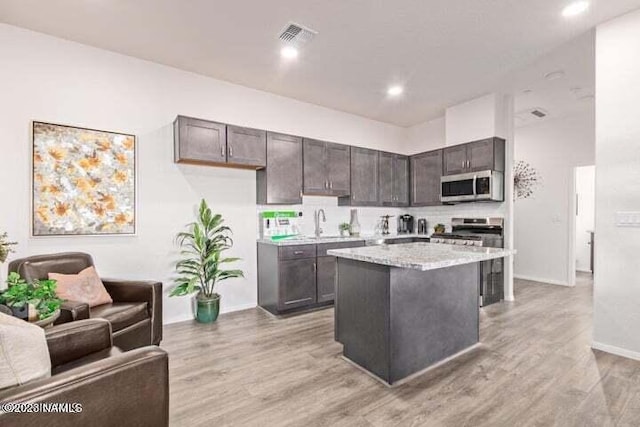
(114, 388)
(135, 314)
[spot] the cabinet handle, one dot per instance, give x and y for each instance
(315, 267)
(222, 150)
(298, 252)
(331, 184)
(463, 162)
(230, 150)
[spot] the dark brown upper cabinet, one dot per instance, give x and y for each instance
(364, 178)
(393, 179)
(199, 141)
(485, 154)
(281, 181)
(246, 146)
(326, 168)
(426, 171)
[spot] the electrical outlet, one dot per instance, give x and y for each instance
(628, 219)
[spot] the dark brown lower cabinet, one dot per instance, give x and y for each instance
(297, 283)
(297, 277)
(326, 278)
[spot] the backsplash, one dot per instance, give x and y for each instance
(369, 217)
(443, 214)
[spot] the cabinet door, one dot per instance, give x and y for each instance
(297, 283)
(455, 159)
(401, 180)
(364, 177)
(326, 278)
(480, 155)
(315, 174)
(426, 171)
(385, 179)
(201, 141)
(284, 169)
(338, 169)
(246, 146)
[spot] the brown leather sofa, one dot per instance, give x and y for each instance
(114, 388)
(135, 314)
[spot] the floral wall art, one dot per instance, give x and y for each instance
(84, 181)
(525, 180)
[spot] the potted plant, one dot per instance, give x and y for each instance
(344, 229)
(200, 269)
(35, 301)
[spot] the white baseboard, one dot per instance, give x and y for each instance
(541, 280)
(190, 316)
(629, 354)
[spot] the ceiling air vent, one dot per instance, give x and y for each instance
(297, 35)
(539, 113)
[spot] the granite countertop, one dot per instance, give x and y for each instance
(310, 240)
(421, 256)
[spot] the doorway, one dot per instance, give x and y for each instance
(584, 237)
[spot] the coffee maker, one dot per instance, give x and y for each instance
(405, 224)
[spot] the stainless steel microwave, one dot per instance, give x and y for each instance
(484, 186)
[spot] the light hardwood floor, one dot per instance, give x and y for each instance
(534, 368)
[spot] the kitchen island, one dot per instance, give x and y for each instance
(401, 309)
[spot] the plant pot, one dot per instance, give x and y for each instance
(44, 323)
(207, 308)
(344, 233)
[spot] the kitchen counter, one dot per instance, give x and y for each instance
(401, 309)
(310, 240)
(421, 256)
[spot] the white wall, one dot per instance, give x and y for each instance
(617, 270)
(473, 120)
(426, 136)
(49, 79)
(543, 223)
(585, 215)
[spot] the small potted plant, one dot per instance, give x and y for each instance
(200, 269)
(36, 301)
(345, 229)
(5, 249)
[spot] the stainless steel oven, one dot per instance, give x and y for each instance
(473, 187)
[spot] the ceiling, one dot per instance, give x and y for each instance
(443, 52)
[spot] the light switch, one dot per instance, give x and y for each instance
(628, 219)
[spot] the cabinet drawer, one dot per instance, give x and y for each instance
(324, 247)
(297, 251)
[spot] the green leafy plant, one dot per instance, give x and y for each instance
(202, 250)
(41, 294)
(345, 226)
(5, 247)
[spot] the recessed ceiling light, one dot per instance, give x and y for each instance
(575, 8)
(289, 52)
(395, 90)
(554, 75)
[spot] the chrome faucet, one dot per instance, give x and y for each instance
(316, 219)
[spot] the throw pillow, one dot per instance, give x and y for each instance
(85, 286)
(24, 355)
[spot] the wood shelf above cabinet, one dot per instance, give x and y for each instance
(203, 142)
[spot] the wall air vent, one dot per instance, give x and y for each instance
(296, 35)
